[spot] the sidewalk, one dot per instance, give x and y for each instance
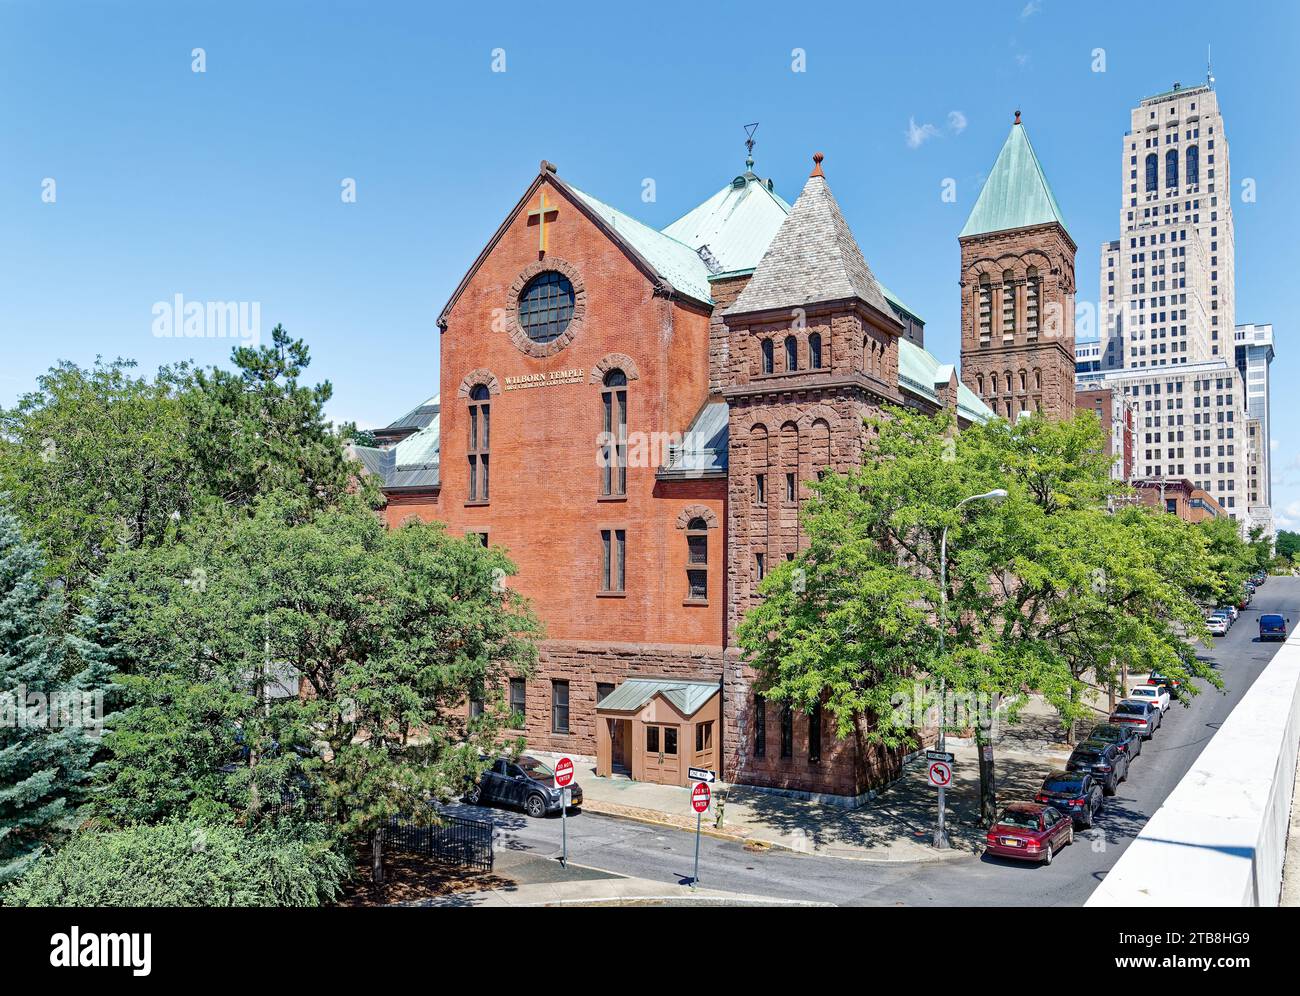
(896, 826)
(529, 880)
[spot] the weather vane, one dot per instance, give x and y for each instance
(749, 144)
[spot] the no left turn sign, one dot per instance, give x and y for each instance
(940, 773)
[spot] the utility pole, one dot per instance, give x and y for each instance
(985, 755)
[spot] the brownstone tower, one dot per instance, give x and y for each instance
(813, 350)
(1017, 290)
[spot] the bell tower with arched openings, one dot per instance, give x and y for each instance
(1017, 290)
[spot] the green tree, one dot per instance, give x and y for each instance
(189, 863)
(99, 460)
(51, 706)
(1044, 589)
(386, 632)
(1288, 544)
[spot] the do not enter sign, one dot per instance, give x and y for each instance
(700, 797)
(940, 773)
(563, 772)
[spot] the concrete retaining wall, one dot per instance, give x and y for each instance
(1220, 837)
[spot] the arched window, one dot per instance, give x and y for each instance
(613, 453)
(1022, 381)
(979, 384)
(1193, 165)
(1152, 167)
(480, 432)
(1038, 380)
(985, 309)
(1008, 307)
(815, 351)
(697, 560)
(1032, 285)
(767, 356)
(791, 354)
(993, 383)
(1171, 168)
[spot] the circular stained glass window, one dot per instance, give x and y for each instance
(546, 306)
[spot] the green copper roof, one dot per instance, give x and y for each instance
(1016, 194)
(686, 696)
(920, 372)
(678, 262)
(736, 224)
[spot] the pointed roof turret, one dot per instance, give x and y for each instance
(1016, 194)
(813, 258)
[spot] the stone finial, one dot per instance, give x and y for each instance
(1017, 121)
(548, 167)
(817, 164)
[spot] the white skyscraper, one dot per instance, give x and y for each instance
(1168, 339)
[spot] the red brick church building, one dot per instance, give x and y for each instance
(633, 414)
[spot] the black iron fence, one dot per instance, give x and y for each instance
(449, 839)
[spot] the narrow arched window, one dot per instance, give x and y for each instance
(985, 309)
(1152, 168)
(480, 432)
(613, 443)
(1032, 287)
(1171, 168)
(697, 560)
(815, 351)
(1193, 165)
(767, 355)
(993, 383)
(1008, 306)
(791, 354)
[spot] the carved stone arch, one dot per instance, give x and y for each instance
(690, 512)
(824, 412)
(474, 378)
(614, 361)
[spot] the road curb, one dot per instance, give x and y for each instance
(649, 819)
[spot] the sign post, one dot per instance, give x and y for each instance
(563, 779)
(700, 796)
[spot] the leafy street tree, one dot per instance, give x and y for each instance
(1288, 544)
(51, 704)
(1045, 590)
(386, 634)
(99, 460)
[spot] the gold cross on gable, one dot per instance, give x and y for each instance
(540, 214)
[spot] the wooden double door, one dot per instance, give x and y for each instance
(663, 762)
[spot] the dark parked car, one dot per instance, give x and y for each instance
(527, 783)
(1272, 627)
(1029, 831)
(1156, 678)
(1143, 717)
(1105, 762)
(1125, 737)
(1075, 793)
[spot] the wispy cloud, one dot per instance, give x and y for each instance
(917, 135)
(1022, 59)
(1030, 9)
(956, 122)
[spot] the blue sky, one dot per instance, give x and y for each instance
(225, 185)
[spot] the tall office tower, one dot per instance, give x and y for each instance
(1167, 338)
(1172, 270)
(1254, 353)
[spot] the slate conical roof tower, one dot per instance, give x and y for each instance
(811, 351)
(1017, 287)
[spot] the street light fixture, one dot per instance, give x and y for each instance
(997, 494)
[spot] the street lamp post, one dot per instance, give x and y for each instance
(997, 494)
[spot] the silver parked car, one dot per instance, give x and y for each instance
(1142, 717)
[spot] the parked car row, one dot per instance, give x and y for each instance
(1036, 831)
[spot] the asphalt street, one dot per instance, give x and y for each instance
(660, 854)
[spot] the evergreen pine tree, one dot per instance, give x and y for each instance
(51, 688)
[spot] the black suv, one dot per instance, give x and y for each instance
(1127, 739)
(526, 783)
(1075, 793)
(1105, 762)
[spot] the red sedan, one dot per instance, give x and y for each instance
(1028, 831)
